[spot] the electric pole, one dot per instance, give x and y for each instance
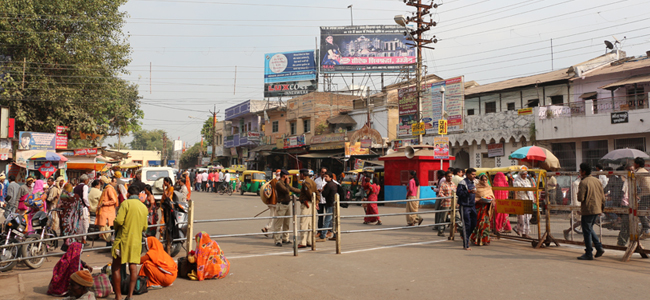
(416, 36)
(163, 159)
(214, 133)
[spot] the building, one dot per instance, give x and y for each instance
(244, 132)
(147, 158)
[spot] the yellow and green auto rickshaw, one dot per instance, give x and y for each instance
(351, 181)
(252, 181)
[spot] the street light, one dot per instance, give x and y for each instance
(403, 21)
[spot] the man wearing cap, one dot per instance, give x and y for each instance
(283, 208)
(81, 283)
(307, 190)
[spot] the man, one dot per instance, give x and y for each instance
(204, 181)
(283, 208)
(329, 193)
(447, 189)
(466, 192)
(320, 183)
(81, 283)
(130, 223)
(271, 203)
(81, 191)
(197, 181)
(211, 181)
(523, 221)
(53, 193)
(226, 178)
(221, 177)
(12, 193)
(137, 182)
(602, 178)
(456, 178)
(592, 202)
(307, 190)
(25, 140)
(188, 185)
(215, 183)
(552, 190)
(643, 188)
(93, 196)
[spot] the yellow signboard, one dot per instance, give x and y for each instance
(442, 126)
(525, 111)
(418, 128)
(514, 207)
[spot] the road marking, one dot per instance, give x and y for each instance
(394, 246)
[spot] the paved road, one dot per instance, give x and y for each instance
(378, 265)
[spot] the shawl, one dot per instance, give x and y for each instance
(210, 260)
(483, 190)
(500, 180)
(160, 258)
(67, 265)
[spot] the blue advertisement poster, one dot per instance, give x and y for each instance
(289, 73)
(29, 140)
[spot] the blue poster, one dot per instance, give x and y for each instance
(289, 66)
(29, 140)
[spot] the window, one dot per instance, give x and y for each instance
(557, 100)
(276, 126)
(635, 97)
(487, 161)
(250, 128)
(593, 151)
(566, 154)
(511, 106)
(632, 143)
(490, 107)
(533, 103)
(292, 127)
(235, 130)
(404, 177)
(306, 125)
(470, 112)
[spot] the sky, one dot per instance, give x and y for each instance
(190, 57)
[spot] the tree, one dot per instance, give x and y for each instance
(66, 56)
(151, 140)
(119, 145)
(207, 132)
(190, 158)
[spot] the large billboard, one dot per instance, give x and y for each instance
(362, 49)
(454, 99)
(408, 109)
(290, 73)
(29, 140)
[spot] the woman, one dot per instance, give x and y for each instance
(157, 265)
(34, 202)
(67, 265)
(107, 206)
(210, 260)
(481, 234)
(70, 215)
(372, 190)
(23, 192)
(501, 220)
(153, 207)
(168, 195)
(412, 191)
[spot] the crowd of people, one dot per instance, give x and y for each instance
(209, 180)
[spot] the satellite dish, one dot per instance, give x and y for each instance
(609, 45)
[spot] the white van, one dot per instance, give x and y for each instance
(154, 176)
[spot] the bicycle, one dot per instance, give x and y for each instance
(225, 188)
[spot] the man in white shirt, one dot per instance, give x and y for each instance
(226, 179)
(204, 181)
(320, 183)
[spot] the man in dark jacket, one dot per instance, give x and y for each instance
(283, 208)
(329, 193)
(592, 203)
(466, 193)
(307, 191)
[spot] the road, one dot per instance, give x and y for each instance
(413, 263)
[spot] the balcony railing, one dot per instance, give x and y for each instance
(562, 110)
(607, 105)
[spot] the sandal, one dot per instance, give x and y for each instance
(378, 223)
(365, 222)
(265, 231)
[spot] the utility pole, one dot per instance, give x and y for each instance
(163, 159)
(416, 37)
(214, 133)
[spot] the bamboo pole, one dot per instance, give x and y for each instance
(190, 226)
(295, 227)
(313, 221)
(337, 211)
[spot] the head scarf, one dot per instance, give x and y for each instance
(210, 260)
(500, 180)
(483, 190)
(83, 278)
(38, 186)
(118, 174)
(67, 265)
(159, 257)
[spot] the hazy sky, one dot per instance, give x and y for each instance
(195, 46)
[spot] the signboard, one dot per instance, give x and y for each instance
(47, 169)
(218, 151)
(290, 73)
(85, 151)
(209, 150)
(358, 164)
(619, 117)
(253, 135)
(442, 127)
(171, 162)
(363, 49)
(355, 149)
(37, 164)
(244, 153)
(61, 137)
(6, 150)
(233, 152)
(294, 142)
(36, 141)
(205, 161)
(400, 143)
(366, 143)
(328, 138)
(441, 147)
(453, 96)
(408, 106)
(495, 150)
(514, 207)
(417, 128)
(525, 111)
(178, 145)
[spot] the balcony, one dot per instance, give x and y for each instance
(494, 126)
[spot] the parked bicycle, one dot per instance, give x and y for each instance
(225, 188)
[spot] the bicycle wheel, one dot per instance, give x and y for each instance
(230, 191)
(221, 190)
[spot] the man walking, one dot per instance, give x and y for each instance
(130, 223)
(271, 202)
(81, 191)
(466, 192)
(592, 203)
(320, 184)
(447, 189)
(197, 181)
(204, 181)
(283, 208)
(211, 181)
(329, 193)
(306, 192)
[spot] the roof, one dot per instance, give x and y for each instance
(622, 66)
(626, 81)
(430, 77)
(263, 148)
(341, 119)
(558, 75)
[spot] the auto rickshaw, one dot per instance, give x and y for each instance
(351, 182)
(376, 173)
(252, 181)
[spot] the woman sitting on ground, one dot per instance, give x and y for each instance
(157, 265)
(67, 265)
(211, 263)
(481, 234)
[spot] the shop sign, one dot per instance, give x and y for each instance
(47, 169)
(355, 149)
(233, 152)
(328, 138)
(366, 143)
(495, 150)
(85, 151)
(417, 128)
(525, 111)
(253, 135)
(619, 117)
(61, 137)
(294, 142)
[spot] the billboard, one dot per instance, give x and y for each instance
(36, 141)
(362, 49)
(408, 107)
(432, 104)
(290, 73)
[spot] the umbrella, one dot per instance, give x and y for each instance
(48, 156)
(621, 155)
(547, 160)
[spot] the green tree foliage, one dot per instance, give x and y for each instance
(207, 132)
(71, 53)
(190, 158)
(151, 140)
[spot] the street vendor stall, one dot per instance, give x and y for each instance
(45, 164)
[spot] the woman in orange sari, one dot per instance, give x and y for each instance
(168, 194)
(157, 265)
(211, 263)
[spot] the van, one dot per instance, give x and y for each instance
(154, 176)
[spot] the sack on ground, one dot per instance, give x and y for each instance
(185, 267)
(102, 285)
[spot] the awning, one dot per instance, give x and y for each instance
(589, 95)
(374, 162)
(86, 166)
(130, 165)
(630, 80)
(341, 119)
(327, 146)
(320, 155)
(263, 148)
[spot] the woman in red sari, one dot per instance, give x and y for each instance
(68, 264)
(501, 222)
(372, 190)
(211, 263)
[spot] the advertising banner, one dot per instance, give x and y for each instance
(178, 145)
(36, 141)
(253, 135)
(495, 150)
(441, 147)
(290, 73)
(355, 149)
(85, 151)
(454, 91)
(47, 169)
(61, 137)
(363, 49)
(209, 150)
(408, 106)
(294, 142)
(366, 143)
(328, 138)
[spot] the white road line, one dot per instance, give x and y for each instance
(395, 246)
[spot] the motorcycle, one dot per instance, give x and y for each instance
(42, 229)
(175, 223)
(13, 231)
